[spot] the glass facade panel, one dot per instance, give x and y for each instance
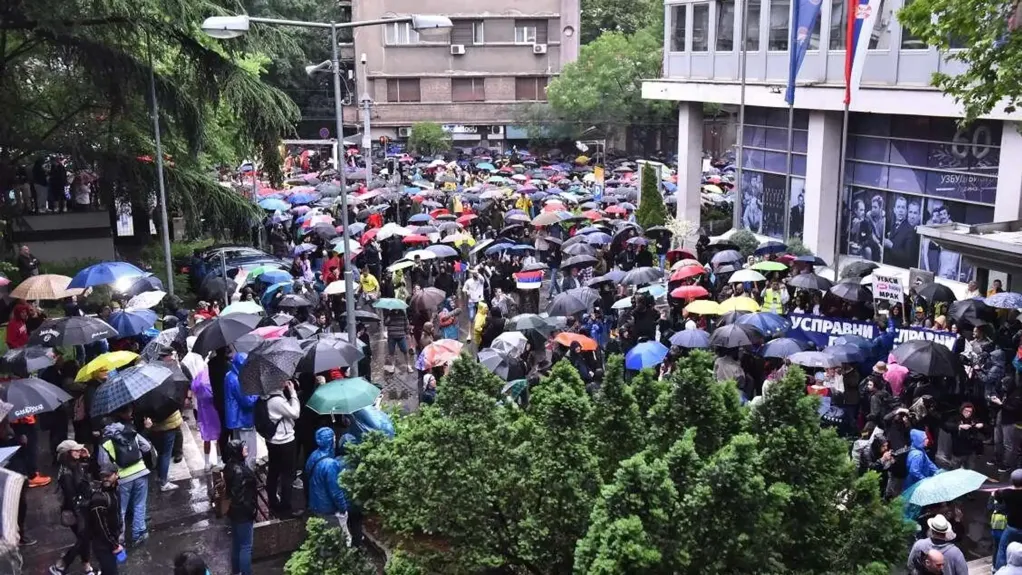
(700, 27)
(780, 15)
(752, 29)
(678, 17)
(726, 25)
(838, 23)
(765, 161)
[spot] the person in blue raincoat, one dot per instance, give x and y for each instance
(327, 498)
(239, 408)
(919, 464)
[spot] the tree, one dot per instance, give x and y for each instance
(616, 418)
(652, 211)
(428, 139)
(746, 242)
(985, 38)
(323, 554)
(599, 16)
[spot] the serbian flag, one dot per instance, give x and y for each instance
(861, 16)
(528, 280)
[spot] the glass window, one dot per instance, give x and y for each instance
(477, 32)
(403, 90)
(530, 89)
(880, 39)
(780, 15)
(752, 26)
(525, 32)
(726, 26)
(814, 38)
(838, 23)
(678, 17)
(700, 27)
(401, 33)
(468, 90)
(908, 41)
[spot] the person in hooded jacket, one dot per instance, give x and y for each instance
(75, 490)
(919, 464)
(966, 438)
(242, 488)
(323, 470)
(1014, 558)
(105, 522)
(239, 409)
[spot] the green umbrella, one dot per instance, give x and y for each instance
(390, 303)
(768, 266)
(343, 396)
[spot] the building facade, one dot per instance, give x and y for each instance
(908, 162)
(497, 59)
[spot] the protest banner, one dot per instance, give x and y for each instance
(887, 288)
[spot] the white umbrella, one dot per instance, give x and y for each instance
(391, 229)
(146, 300)
(400, 265)
(335, 288)
(510, 342)
(421, 254)
(742, 276)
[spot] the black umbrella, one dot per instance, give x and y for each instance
(810, 281)
(247, 342)
(304, 330)
(362, 316)
(534, 267)
(722, 245)
(144, 284)
(223, 331)
(127, 386)
(972, 311)
(279, 319)
(324, 354)
(659, 231)
(325, 231)
(643, 275)
(859, 269)
(934, 292)
(508, 229)
(214, 287)
(578, 249)
(581, 261)
(726, 256)
(928, 358)
(496, 363)
(527, 322)
(32, 395)
(428, 299)
(730, 317)
(573, 301)
(74, 330)
(734, 335)
(269, 365)
(851, 290)
(295, 301)
(26, 360)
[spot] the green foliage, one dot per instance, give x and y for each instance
(796, 247)
(617, 417)
(652, 211)
(324, 553)
(429, 139)
(402, 564)
(599, 16)
(985, 40)
(746, 242)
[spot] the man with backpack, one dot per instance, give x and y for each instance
(123, 451)
(275, 417)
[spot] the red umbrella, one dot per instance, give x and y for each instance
(506, 170)
(415, 239)
(786, 259)
(616, 210)
(689, 292)
(439, 212)
(687, 272)
(418, 199)
(369, 234)
(678, 253)
(466, 219)
(592, 215)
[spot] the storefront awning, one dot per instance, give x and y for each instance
(996, 246)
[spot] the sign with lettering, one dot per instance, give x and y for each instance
(887, 288)
(822, 331)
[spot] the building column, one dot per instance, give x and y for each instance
(1008, 206)
(822, 189)
(690, 161)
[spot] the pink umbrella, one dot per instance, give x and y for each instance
(271, 331)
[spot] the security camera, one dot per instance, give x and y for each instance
(364, 59)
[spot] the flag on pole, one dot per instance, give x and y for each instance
(861, 15)
(804, 16)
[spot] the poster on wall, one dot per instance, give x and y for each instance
(752, 203)
(797, 212)
(932, 257)
(866, 224)
(775, 204)
(901, 243)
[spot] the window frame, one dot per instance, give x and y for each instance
(525, 28)
(480, 27)
(707, 29)
(397, 84)
(392, 34)
(540, 92)
(675, 10)
(481, 82)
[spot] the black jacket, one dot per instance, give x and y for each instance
(242, 490)
(75, 487)
(105, 518)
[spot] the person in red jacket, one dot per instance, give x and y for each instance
(17, 330)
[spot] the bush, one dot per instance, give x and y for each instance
(428, 139)
(652, 211)
(797, 248)
(324, 553)
(746, 242)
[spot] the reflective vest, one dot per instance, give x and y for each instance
(772, 301)
(137, 467)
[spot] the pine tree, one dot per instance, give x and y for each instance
(652, 211)
(617, 423)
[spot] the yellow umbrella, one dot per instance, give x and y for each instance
(704, 307)
(582, 160)
(107, 361)
(739, 304)
(459, 238)
(713, 189)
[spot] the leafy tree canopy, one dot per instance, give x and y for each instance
(429, 138)
(652, 211)
(599, 16)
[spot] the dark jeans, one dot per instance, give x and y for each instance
(280, 475)
(80, 547)
(31, 447)
(104, 555)
(241, 547)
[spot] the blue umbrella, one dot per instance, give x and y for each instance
(274, 204)
(589, 230)
(767, 323)
(598, 238)
(356, 228)
(846, 353)
(288, 287)
(127, 386)
(522, 248)
(782, 347)
(497, 248)
(304, 247)
(104, 273)
(1004, 300)
(486, 166)
(656, 290)
(133, 322)
(274, 276)
(691, 339)
(300, 199)
(771, 247)
(944, 487)
(442, 251)
(645, 354)
(419, 218)
(814, 260)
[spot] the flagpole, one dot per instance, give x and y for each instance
(850, 47)
(787, 172)
(742, 58)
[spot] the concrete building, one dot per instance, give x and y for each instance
(908, 162)
(498, 58)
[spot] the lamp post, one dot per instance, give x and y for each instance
(159, 171)
(225, 27)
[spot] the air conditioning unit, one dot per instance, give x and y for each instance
(539, 48)
(404, 132)
(457, 49)
(496, 130)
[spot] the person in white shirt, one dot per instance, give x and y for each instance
(284, 410)
(972, 291)
(473, 290)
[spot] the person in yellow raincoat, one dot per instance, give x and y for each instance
(482, 310)
(524, 203)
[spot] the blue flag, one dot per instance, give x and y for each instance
(803, 20)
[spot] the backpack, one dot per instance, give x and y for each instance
(263, 424)
(126, 449)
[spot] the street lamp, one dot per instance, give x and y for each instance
(226, 27)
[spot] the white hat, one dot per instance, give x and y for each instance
(940, 526)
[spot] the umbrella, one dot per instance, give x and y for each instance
(857, 340)
(731, 317)
(495, 362)
(26, 360)
(691, 339)
(726, 256)
(269, 365)
(928, 358)
(742, 276)
(167, 397)
(810, 281)
(146, 300)
(510, 342)
(428, 299)
(704, 307)
(335, 288)
(580, 261)
(687, 272)
(934, 292)
(278, 318)
(106, 362)
(132, 322)
(74, 330)
(623, 303)
(32, 395)
(343, 396)
(273, 276)
(293, 301)
(573, 301)
(127, 386)
(971, 311)
(214, 287)
(815, 261)
(782, 347)
(768, 266)
(613, 276)
(689, 292)
(443, 251)
(242, 307)
(146, 283)
(771, 247)
(645, 355)
(944, 487)
(442, 352)
(390, 303)
(579, 249)
(532, 322)
(567, 338)
(816, 359)
(734, 335)
(739, 304)
(104, 273)
(324, 354)
(858, 270)
(643, 275)
(223, 331)
(305, 330)
(767, 323)
(45, 286)
(846, 353)
(1004, 300)
(362, 316)
(851, 291)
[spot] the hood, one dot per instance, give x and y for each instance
(237, 361)
(325, 439)
(918, 438)
(1015, 554)
(891, 359)
(113, 429)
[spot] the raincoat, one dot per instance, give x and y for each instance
(323, 469)
(1014, 566)
(480, 322)
(205, 407)
(918, 463)
(239, 409)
